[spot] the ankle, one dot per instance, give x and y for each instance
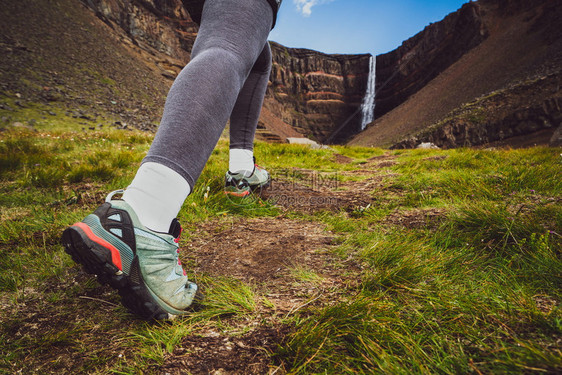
(156, 195)
(241, 161)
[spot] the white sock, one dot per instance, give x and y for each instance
(156, 195)
(241, 161)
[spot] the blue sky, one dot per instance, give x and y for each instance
(356, 26)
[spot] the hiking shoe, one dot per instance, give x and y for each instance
(143, 265)
(240, 185)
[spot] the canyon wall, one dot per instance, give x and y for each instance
(426, 85)
(405, 70)
(162, 29)
(317, 94)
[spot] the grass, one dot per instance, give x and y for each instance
(476, 290)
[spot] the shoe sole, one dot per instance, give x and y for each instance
(253, 188)
(98, 260)
(237, 194)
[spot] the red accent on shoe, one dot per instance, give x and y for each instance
(177, 239)
(115, 255)
(242, 194)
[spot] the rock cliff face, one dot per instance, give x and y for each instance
(425, 86)
(318, 94)
(404, 71)
(161, 28)
(523, 113)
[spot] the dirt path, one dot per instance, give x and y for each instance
(287, 261)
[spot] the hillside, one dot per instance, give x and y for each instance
(58, 53)
(523, 44)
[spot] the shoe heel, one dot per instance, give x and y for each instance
(95, 259)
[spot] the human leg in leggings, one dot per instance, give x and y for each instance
(246, 112)
(227, 74)
(132, 243)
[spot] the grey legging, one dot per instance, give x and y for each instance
(227, 76)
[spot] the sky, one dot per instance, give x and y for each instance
(356, 26)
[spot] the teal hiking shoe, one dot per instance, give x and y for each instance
(143, 265)
(240, 185)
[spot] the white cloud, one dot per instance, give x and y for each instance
(305, 6)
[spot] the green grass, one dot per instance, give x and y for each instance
(475, 290)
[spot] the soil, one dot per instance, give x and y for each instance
(259, 250)
(310, 191)
(416, 218)
(218, 354)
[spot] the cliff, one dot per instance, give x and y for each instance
(315, 93)
(162, 29)
(407, 69)
(508, 43)
(318, 94)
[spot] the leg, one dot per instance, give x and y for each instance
(246, 112)
(132, 244)
(230, 40)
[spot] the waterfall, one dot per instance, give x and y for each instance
(368, 106)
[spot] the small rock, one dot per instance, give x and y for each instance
(52, 113)
(20, 125)
(428, 146)
(52, 96)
